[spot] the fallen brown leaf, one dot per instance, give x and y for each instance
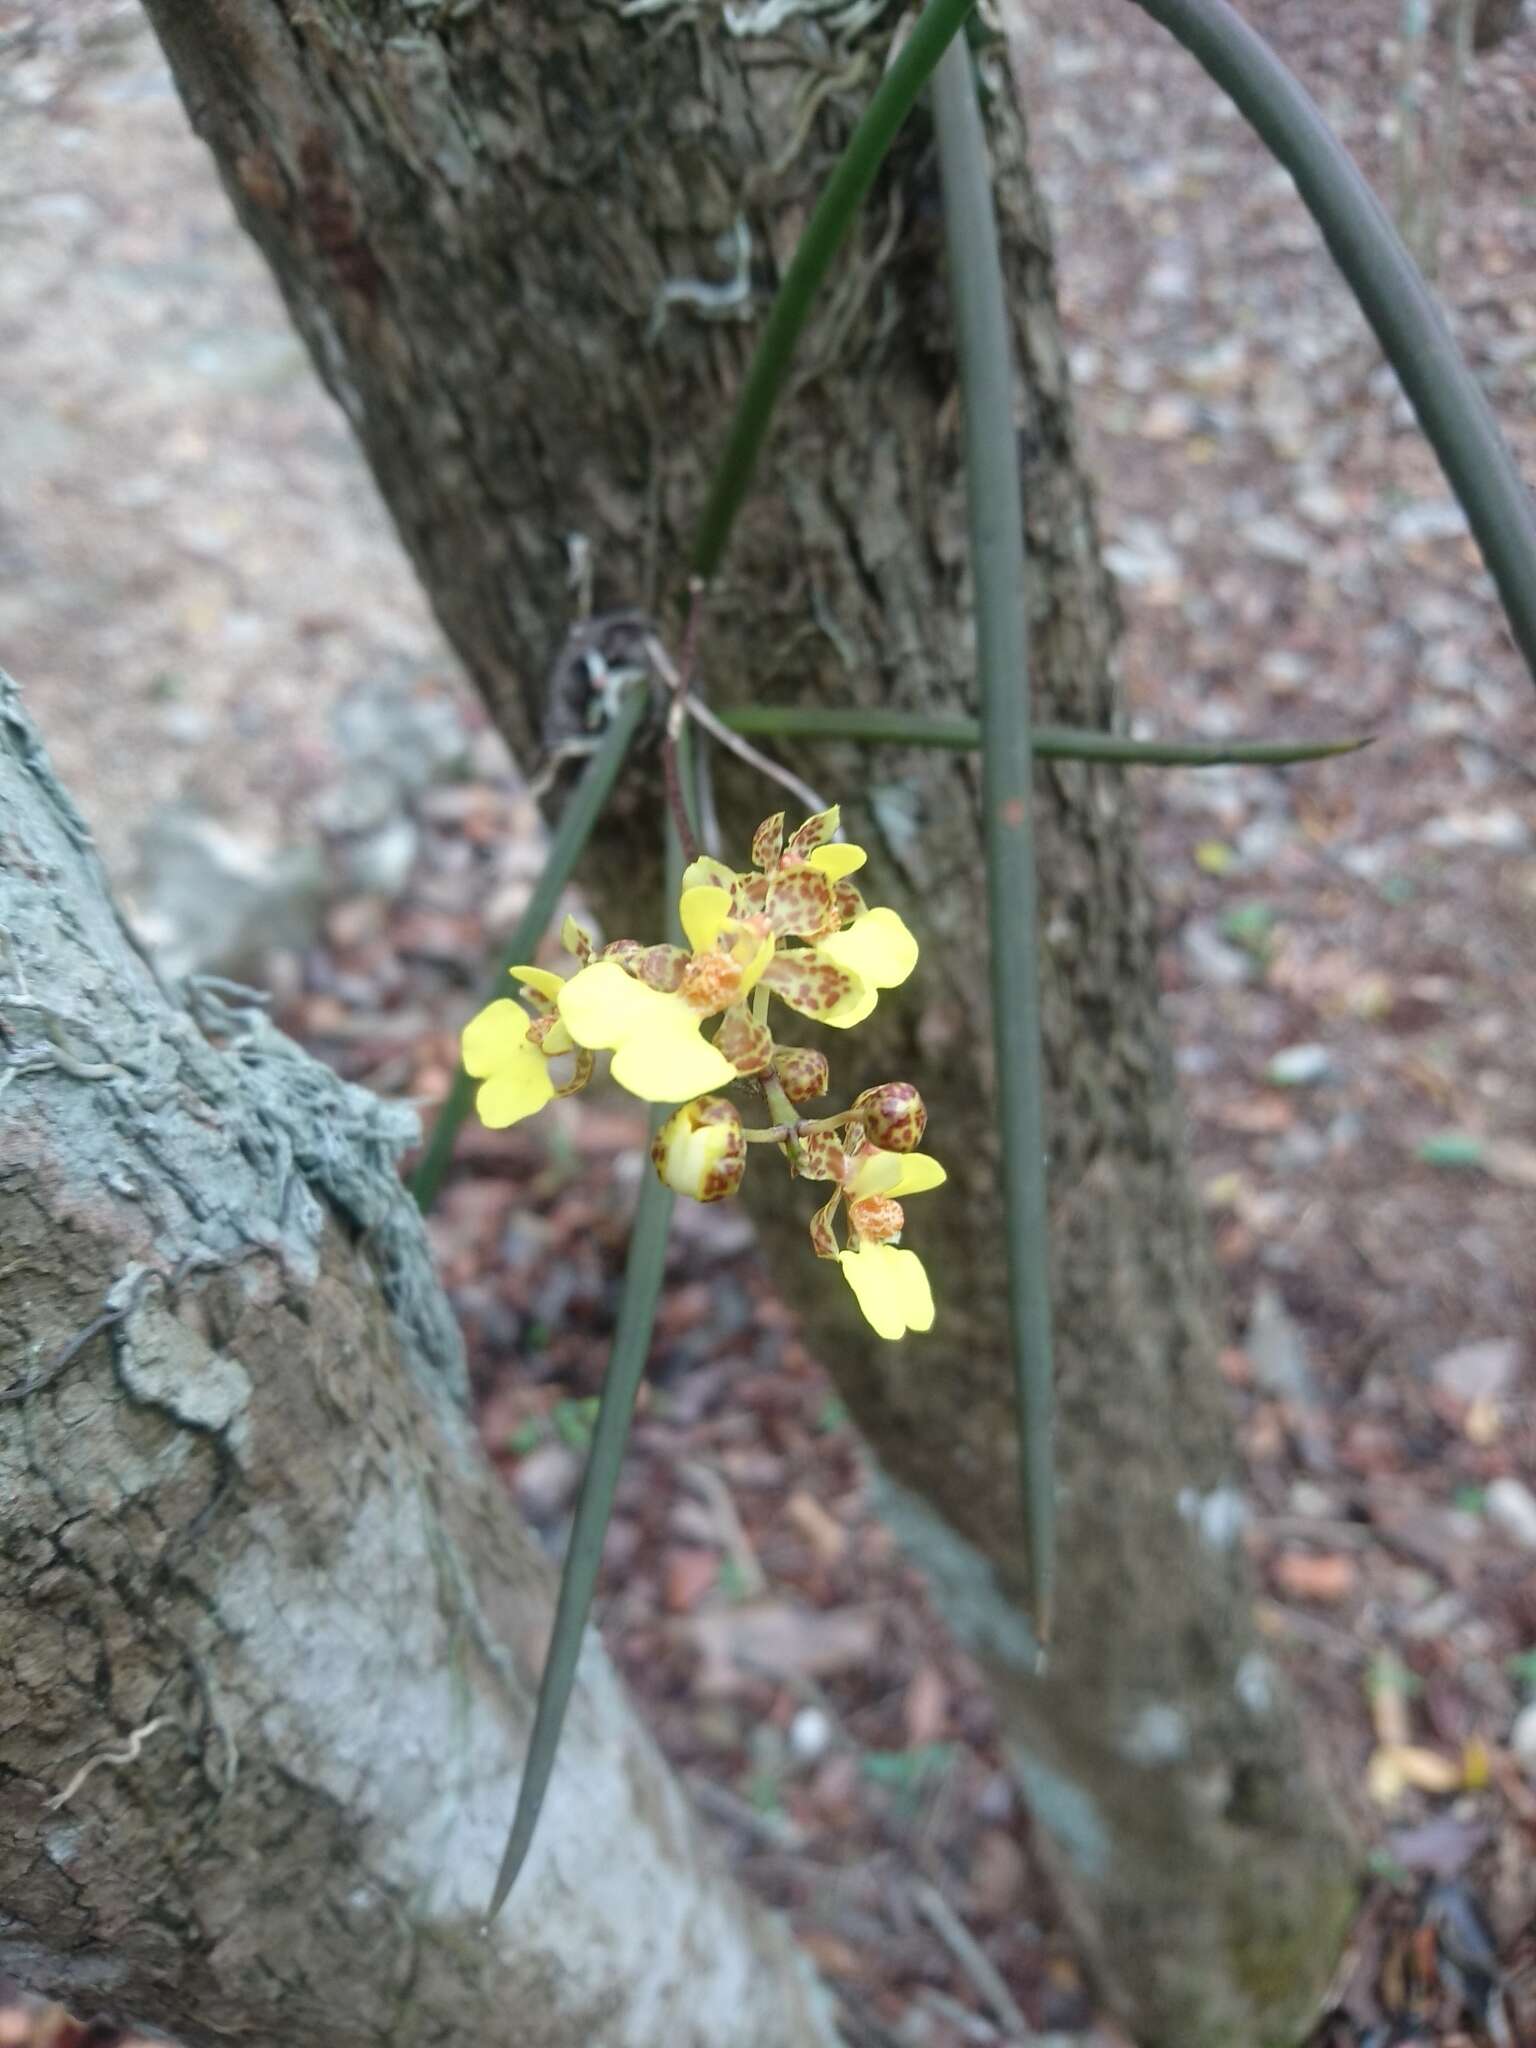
(686, 1576)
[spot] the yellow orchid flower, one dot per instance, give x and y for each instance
(803, 890)
(508, 1052)
(889, 1284)
(654, 1032)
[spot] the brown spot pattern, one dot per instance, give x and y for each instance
(847, 902)
(893, 1115)
(822, 1156)
(768, 842)
(662, 967)
(875, 1219)
(823, 1236)
(799, 903)
(807, 982)
(711, 982)
(747, 1045)
(803, 1074)
(581, 1073)
(813, 833)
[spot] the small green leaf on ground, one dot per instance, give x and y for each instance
(1453, 1149)
(574, 1422)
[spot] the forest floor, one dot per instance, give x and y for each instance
(191, 551)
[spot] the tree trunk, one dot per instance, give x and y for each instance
(269, 1632)
(501, 230)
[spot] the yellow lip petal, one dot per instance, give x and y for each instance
(540, 980)
(837, 861)
(495, 1037)
(896, 1174)
(515, 1091)
(704, 913)
(657, 1051)
(890, 1287)
(602, 1006)
(877, 947)
(669, 1061)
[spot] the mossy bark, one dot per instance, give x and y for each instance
(510, 236)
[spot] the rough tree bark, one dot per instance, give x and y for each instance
(269, 1633)
(500, 229)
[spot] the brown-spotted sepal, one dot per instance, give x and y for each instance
(700, 1151)
(813, 833)
(581, 1073)
(822, 1157)
(803, 1074)
(798, 903)
(660, 967)
(768, 842)
(747, 1044)
(823, 1235)
(814, 986)
(893, 1116)
(576, 940)
(847, 902)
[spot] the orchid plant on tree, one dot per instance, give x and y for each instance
(796, 927)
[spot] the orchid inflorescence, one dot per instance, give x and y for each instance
(795, 928)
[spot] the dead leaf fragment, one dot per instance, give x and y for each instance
(775, 1640)
(1324, 1576)
(1393, 1771)
(826, 1536)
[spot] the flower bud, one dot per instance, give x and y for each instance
(803, 1074)
(700, 1151)
(893, 1116)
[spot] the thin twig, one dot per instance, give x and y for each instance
(677, 676)
(773, 1828)
(972, 1958)
(700, 712)
(733, 1536)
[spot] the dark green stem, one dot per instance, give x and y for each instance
(643, 1270)
(839, 203)
(578, 1580)
(1050, 742)
(1391, 290)
(565, 849)
(994, 503)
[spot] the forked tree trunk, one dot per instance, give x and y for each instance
(269, 1631)
(509, 235)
